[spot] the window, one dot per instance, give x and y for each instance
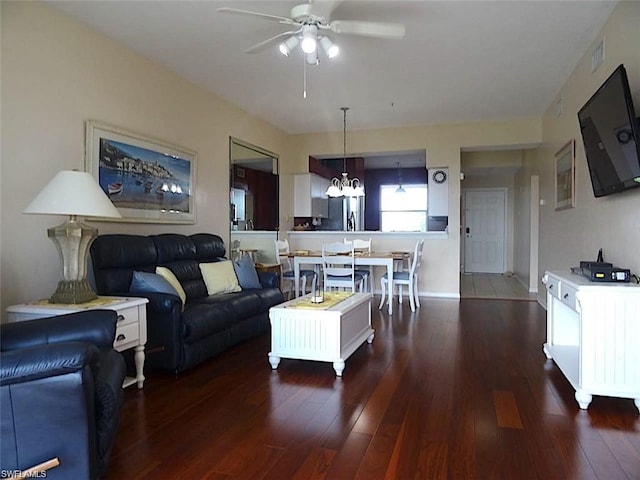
(403, 211)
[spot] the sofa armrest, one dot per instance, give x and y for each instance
(97, 327)
(109, 396)
(164, 329)
(27, 364)
(163, 302)
(269, 279)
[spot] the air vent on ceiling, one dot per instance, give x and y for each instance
(597, 57)
(559, 106)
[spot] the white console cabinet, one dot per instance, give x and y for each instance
(593, 335)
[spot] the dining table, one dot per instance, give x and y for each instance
(382, 259)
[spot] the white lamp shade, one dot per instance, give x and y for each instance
(358, 191)
(288, 45)
(330, 48)
(72, 192)
(333, 191)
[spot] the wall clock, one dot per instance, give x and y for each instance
(439, 176)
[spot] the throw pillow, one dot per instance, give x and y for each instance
(246, 273)
(175, 283)
(219, 277)
(145, 282)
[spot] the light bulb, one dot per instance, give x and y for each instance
(309, 38)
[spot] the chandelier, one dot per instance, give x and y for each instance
(400, 188)
(345, 187)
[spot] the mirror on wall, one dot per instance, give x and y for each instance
(254, 187)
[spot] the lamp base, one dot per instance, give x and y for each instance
(72, 292)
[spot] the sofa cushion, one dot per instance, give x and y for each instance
(173, 281)
(172, 247)
(269, 297)
(115, 257)
(246, 273)
(200, 320)
(219, 277)
(209, 247)
(145, 282)
(245, 303)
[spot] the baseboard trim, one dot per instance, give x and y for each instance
(451, 295)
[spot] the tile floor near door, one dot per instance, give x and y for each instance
(493, 285)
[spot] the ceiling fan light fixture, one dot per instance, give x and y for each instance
(309, 38)
(330, 48)
(312, 58)
(288, 45)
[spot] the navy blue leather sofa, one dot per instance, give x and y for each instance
(60, 393)
(182, 336)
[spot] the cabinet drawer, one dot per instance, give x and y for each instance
(553, 286)
(127, 316)
(126, 335)
(568, 296)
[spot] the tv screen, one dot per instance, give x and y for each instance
(611, 136)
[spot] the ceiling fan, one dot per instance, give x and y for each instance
(310, 25)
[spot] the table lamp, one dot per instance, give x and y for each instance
(73, 193)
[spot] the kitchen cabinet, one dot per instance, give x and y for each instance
(310, 199)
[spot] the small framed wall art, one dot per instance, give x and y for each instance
(565, 176)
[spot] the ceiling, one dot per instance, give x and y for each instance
(460, 61)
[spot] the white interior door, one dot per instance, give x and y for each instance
(484, 230)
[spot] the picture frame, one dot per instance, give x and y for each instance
(148, 180)
(565, 176)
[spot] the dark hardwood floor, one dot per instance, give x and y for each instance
(457, 390)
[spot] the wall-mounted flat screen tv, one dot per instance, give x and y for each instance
(611, 136)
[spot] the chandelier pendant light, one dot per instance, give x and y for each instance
(345, 187)
(400, 188)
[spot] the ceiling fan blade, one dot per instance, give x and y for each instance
(265, 16)
(394, 31)
(324, 8)
(258, 47)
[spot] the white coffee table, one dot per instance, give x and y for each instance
(325, 335)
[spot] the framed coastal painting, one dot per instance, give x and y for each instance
(148, 180)
(565, 176)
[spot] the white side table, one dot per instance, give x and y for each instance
(131, 329)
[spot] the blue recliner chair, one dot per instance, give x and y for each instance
(60, 393)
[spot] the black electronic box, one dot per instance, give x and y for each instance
(604, 272)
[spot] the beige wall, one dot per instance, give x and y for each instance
(526, 222)
(56, 74)
(613, 223)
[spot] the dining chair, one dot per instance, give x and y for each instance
(361, 245)
(405, 277)
(282, 251)
(234, 253)
(338, 266)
